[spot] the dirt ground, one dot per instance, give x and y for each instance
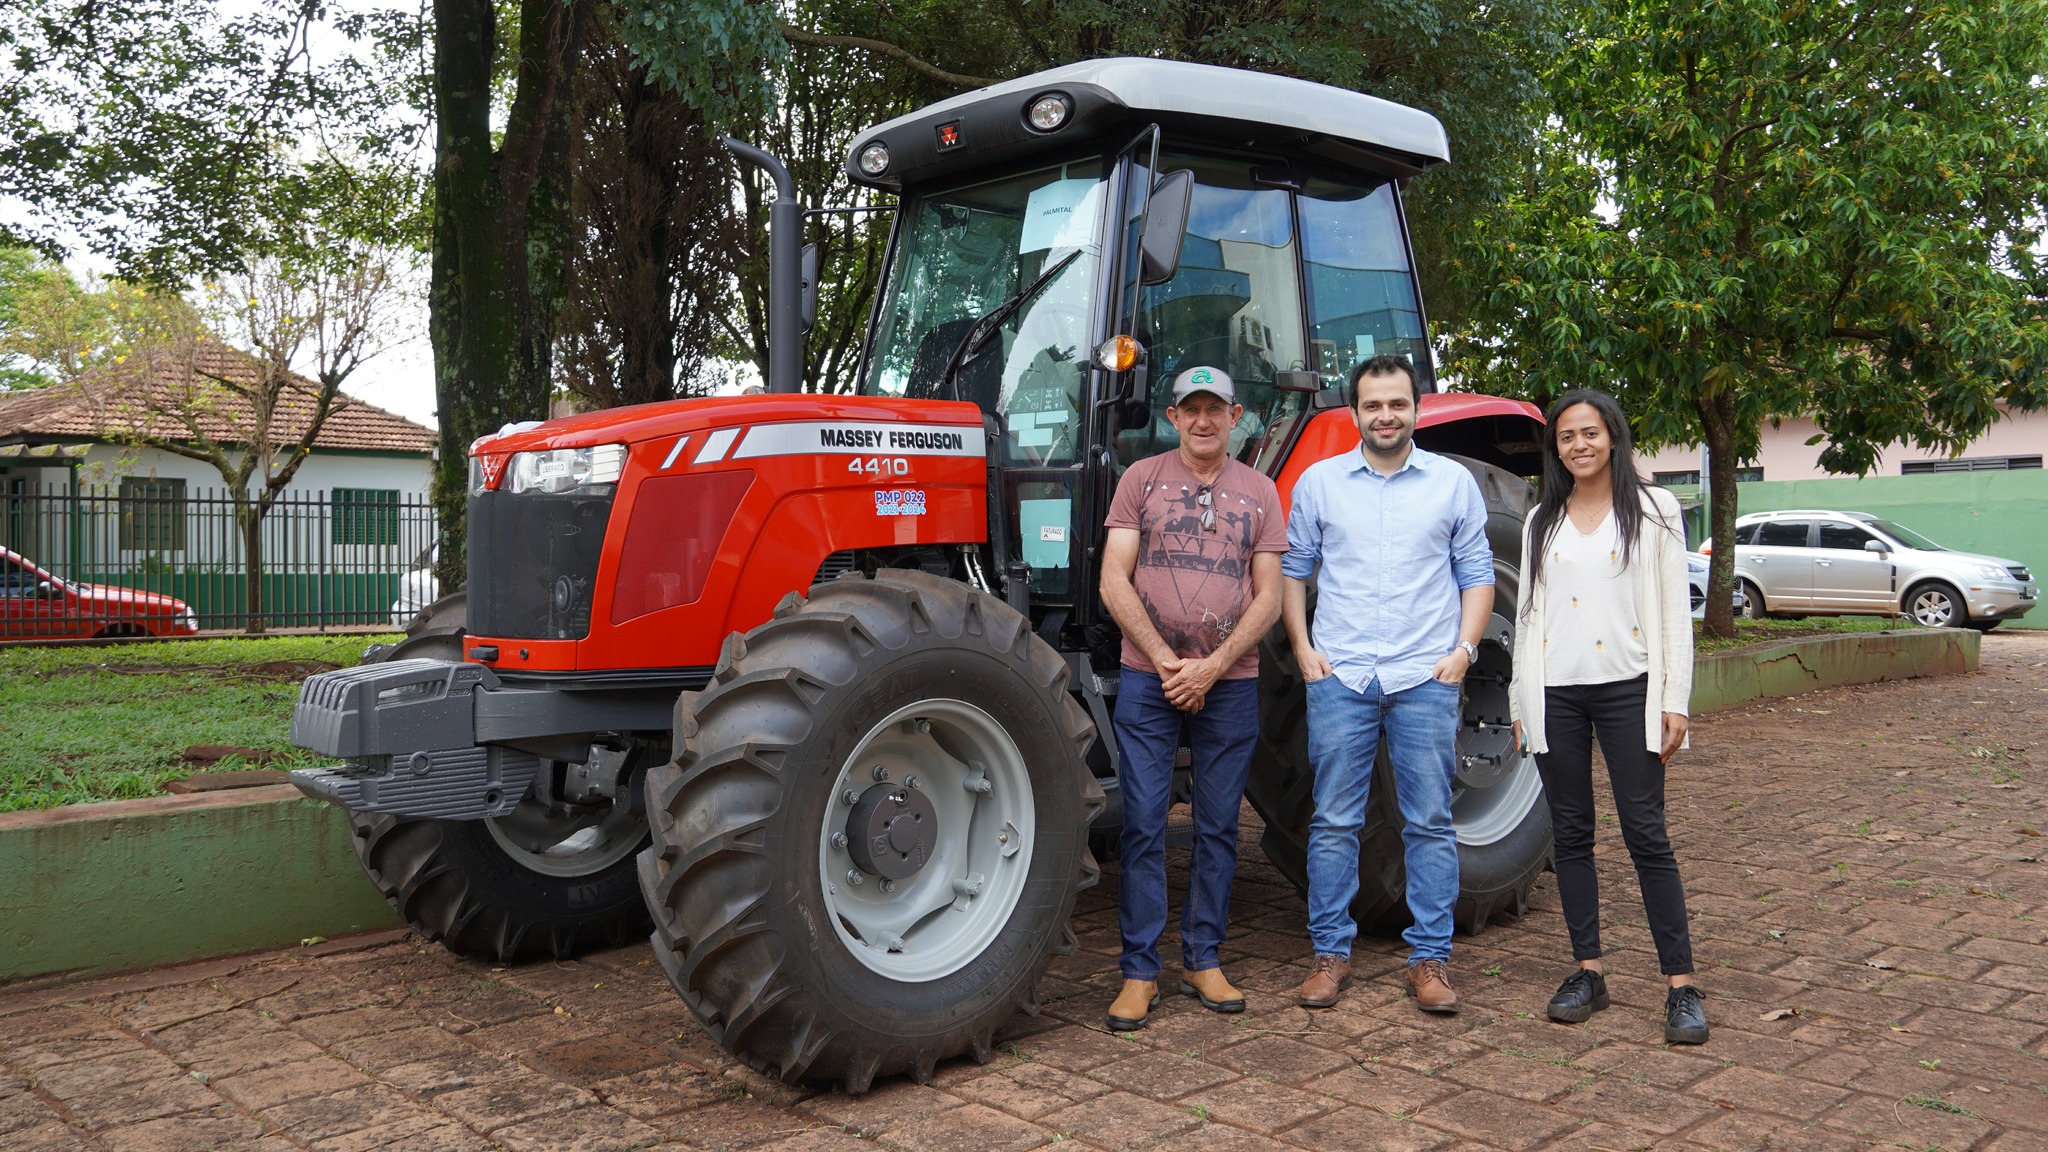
(1870, 910)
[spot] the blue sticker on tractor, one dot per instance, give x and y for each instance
(899, 502)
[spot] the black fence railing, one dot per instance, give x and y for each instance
(152, 557)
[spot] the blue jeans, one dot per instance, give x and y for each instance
(1220, 739)
(1421, 725)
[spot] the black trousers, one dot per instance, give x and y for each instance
(1573, 715)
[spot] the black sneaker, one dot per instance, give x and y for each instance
(1583, 993)
(1685, 1018)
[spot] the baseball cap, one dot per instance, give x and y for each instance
(1204, 379)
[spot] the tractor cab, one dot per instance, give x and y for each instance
(1067, 243)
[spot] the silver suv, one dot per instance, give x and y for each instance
(1802, 561)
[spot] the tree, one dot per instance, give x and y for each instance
(303, 325)
(652, 234)
(173, 136)
(1760, 208)
(56, 328)
(500, 229)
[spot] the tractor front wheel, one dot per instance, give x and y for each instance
(868, 845)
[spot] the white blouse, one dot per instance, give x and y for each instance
(1661, 599)
(1593, 630)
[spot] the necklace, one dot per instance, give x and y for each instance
(1206, 476)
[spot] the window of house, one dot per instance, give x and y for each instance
(1667, 479)
(1782, 534)
(1749, 475)
(152, 514)
(365, 516)
(1968, 464)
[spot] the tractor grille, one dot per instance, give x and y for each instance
(533, 562)
(836, 565)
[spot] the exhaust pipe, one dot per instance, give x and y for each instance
(785, 272)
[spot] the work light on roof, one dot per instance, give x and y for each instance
(1049, 112)
(874, 159)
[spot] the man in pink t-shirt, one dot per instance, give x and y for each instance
(1191, 571)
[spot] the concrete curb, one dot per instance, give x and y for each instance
(132, 883)
(1789, 667)
(100, 888)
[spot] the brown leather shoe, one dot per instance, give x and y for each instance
(1329, 976)
(1133, 1006)
(1216, 993)
(1429, 981)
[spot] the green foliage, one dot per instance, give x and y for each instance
(1824, 208)
(55, 328)
(178, 137)
(710, 52)
(1758, 208)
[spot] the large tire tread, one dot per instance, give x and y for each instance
(708, 877)
(431, 873)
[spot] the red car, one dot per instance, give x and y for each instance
(34, 603)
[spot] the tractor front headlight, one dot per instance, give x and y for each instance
(565, 469)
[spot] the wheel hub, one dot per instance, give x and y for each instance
(891, 831)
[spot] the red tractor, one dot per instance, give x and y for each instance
(821, 683)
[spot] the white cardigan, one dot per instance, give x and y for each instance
(1662, 594)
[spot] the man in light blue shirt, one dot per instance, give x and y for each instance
(1405, 591)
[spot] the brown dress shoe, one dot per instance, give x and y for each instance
(1133, 1006)
(1429, 981)
(1329, 976)
(1216, 993)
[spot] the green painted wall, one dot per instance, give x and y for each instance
(2000, 513)
(104, 887)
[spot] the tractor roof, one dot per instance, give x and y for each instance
(1198, 102)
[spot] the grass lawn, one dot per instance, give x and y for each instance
(110, 723)
(1758, 631)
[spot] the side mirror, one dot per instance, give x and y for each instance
(1166, 222)
(1297, 380)
(1877, 546)
(810, 285)
(46, 590)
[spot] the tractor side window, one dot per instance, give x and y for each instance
(1234, 304)
(964, 253)
(1361, 294)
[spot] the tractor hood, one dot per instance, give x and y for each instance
(642, 422)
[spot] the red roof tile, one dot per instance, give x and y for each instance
(165, 398)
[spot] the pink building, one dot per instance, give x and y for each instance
(2018, 440)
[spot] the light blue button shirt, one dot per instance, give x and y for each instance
(1395, 552)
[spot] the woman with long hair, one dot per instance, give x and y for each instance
(1604, 649)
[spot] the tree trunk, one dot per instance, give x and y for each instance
(499, 233)
(1717, 418)
(249, 518)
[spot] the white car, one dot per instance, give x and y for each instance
(417, 588)
(1696, 578)
(1817, 561)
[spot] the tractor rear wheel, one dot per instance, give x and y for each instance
(868, 845)
(1503, 823)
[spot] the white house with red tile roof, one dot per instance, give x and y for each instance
(86, 431)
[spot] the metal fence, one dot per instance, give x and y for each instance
(154, 556)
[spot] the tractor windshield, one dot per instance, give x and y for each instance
(961, 254)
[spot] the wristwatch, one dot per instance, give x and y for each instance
(1471, 652)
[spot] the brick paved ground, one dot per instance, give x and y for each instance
(1865, 858)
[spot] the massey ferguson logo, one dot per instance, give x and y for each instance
(493, 468)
